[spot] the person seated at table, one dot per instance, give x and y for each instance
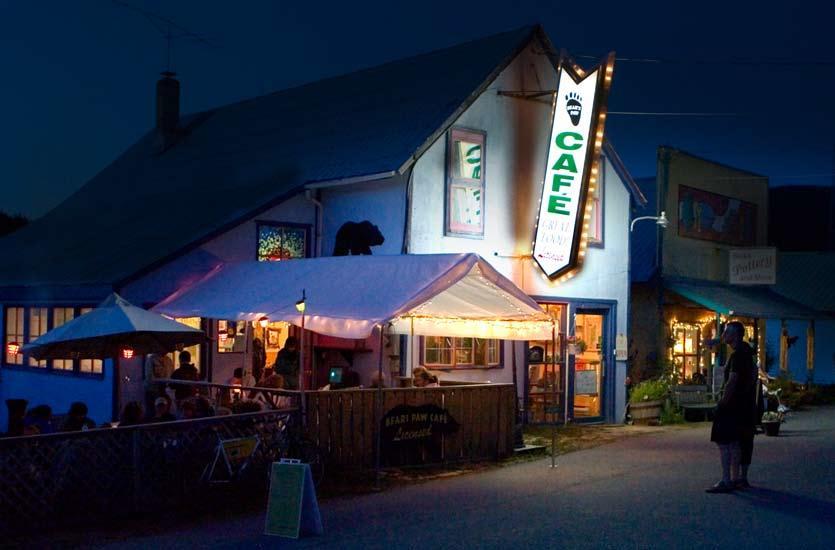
(422, 378)
(38, 420)
(162, 410)
(271, 380)
(203, 408)
(131, 414)
(77, 419)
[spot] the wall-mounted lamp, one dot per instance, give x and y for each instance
(661, 221)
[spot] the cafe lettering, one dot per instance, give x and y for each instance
(575, 141)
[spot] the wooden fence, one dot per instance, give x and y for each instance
(344, 423)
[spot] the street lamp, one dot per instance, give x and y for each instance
(661, 221)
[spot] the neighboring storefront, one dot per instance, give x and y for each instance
(715, 267)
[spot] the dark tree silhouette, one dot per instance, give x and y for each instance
(9, 223)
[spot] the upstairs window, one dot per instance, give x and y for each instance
(466, 160)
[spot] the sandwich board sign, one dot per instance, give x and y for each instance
(292, 508)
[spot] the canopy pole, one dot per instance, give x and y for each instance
(411, 345)
(302, 398)
(378, 413)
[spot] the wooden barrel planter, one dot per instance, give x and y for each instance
(772, 428)
(646, 411)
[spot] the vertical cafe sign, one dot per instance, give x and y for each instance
(577, 119)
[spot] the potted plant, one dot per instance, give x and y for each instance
(647, 400)
(771, 422)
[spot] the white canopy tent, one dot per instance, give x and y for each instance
(347, 296)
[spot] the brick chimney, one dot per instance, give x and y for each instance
(168, 105)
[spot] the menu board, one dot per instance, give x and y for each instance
(585, 382)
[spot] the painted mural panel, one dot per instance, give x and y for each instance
(713, 217)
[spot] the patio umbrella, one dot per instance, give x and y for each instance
(108, 329)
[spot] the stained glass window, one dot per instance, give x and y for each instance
(281, 242)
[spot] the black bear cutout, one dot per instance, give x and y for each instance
(357, 238)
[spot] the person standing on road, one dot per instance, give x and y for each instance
(733, 423)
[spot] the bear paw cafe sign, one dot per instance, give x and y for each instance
(577, 120)
(409, 424)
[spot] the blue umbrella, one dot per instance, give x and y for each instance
(108, 329)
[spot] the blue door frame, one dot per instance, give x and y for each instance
(607, 309)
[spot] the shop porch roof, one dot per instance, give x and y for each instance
(745, 301)
(231, 163)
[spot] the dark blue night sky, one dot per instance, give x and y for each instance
(79, 76)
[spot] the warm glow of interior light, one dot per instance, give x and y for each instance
(13, 348)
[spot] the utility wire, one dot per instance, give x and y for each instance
(740, 62)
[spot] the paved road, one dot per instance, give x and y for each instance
(642, 492)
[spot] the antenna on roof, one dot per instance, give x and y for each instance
(170, 30)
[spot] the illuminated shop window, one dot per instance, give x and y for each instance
(450, 352)
(38, 324)
(89, 366)
(686, 352)
(61, 315)
(14, 334)
(465, 183)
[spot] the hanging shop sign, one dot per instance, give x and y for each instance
(577, 120)
(752, 266)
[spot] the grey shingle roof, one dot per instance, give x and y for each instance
(233, 161)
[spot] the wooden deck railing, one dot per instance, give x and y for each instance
(344, 423)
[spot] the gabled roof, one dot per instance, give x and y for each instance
(235, 161)
(806, 277)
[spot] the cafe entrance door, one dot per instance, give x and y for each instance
(590, 345)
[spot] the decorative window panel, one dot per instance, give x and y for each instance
(466, 162)
(278, 242)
